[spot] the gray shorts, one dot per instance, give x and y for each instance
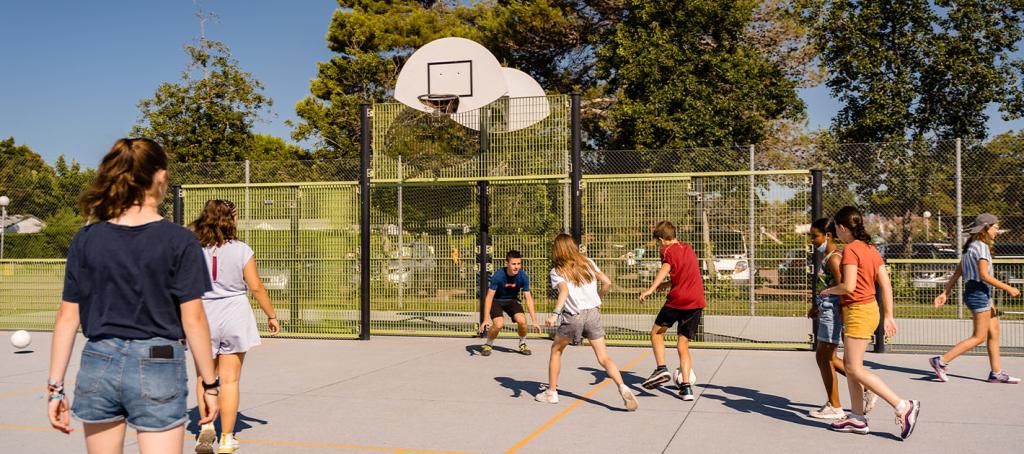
(585, 324)
(232, 325)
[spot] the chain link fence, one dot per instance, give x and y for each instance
(745, 211)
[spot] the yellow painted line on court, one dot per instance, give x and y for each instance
(35, 428)
(22, 392)
(590, 393)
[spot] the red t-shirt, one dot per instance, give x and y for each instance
(687, 286)
(868, 260)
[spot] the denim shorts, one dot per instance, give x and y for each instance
(830, 320)
(977, 296)
(119, 381)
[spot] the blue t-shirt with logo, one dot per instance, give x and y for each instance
(507, 288)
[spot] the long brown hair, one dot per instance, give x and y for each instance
(569, 263)
(216, 224)
(124, 176)
(982, 237)
(850, 217)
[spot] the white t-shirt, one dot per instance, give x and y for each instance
(580, 297)
(227, 277)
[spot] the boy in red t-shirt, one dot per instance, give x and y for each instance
(685, 305)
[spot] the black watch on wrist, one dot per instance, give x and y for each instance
(214, 385)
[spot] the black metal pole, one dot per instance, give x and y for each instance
(880, 346)
(812, 279)
(364, 221)
(483, 256)
(177, 205)
(576, 173)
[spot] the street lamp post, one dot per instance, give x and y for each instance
(927, 225)
(4, 201)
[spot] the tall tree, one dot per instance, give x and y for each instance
(27, 180)
(209, 114)
(684, 76)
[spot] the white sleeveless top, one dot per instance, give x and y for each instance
(226, 274)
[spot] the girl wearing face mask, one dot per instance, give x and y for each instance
(826, 313)
(976, 269)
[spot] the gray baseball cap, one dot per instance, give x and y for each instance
(983, 220)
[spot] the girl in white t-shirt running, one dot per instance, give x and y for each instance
(575, 277)
(233, 328)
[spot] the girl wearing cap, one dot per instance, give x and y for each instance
(233, 328)
(976, 269)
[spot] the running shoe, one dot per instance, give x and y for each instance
(1002, 377)
(486, 350)
(870, 399)
(659, 376)
(228, 444)
(940, 369)
(548, 396)
(908, 419)
(850, 424)
(524, 349)
(686, 391)
(629, 399)
(828, 412)
(207, 439)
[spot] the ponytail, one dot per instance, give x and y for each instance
(124, 176)
(850, 217)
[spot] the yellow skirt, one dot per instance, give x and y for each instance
(860, 320)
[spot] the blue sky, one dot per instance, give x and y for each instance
(72, 72)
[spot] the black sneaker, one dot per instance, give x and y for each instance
(686, 391)
(660, 375)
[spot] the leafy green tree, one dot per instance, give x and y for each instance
(684, 76)
(27, 180)
(209, 114)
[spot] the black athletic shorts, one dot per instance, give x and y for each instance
(510, 307)
(688, 319)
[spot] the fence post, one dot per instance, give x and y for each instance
(248, 222)
(177, 205)
(483, 245)
(752, 211)
(959, 224)
(816, 213)
(364, 221)
(576, 174)
(401, 240)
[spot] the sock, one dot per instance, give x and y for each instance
(522, 340)
(901, 407)
(623, 389)
(860, 418)
(226, 437)
(489, 342)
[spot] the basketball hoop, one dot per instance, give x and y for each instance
(440, 104)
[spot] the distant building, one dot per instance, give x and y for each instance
(22, 223)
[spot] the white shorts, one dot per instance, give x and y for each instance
(232, 325)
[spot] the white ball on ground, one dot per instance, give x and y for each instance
(21, 339)
(678, 376)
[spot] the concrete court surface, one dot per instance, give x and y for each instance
(425, 395)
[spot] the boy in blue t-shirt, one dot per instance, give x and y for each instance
(503, 296)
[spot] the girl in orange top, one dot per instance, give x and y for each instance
(862, 269)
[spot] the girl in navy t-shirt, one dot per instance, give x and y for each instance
(133, 282)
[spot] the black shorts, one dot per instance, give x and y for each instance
(510, 307)
(688, 319)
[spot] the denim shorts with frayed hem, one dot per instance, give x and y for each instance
(120, 380)
(830, 320)
(977, 296)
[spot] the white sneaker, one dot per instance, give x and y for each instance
(629, 399)
(549, 396)
(207, 441)
(828, 412)
(870, 399)
(678, 377)
(228, 444)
